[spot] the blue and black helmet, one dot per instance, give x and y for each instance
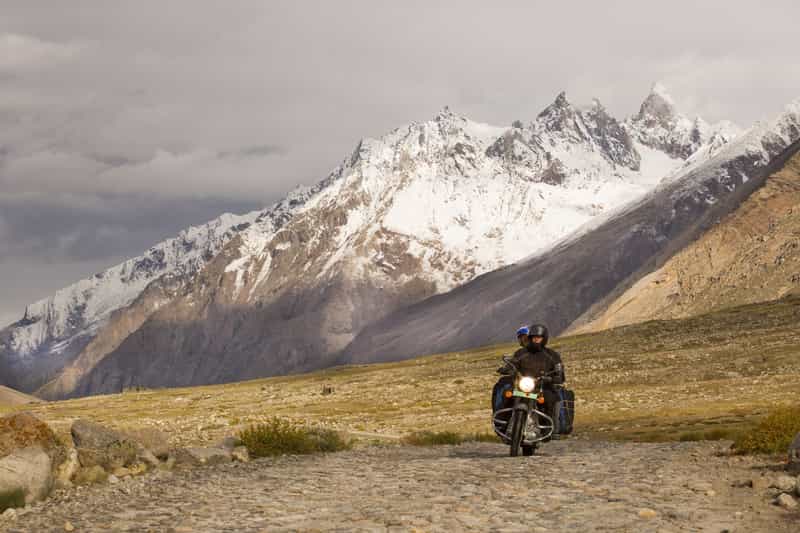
(522, 331)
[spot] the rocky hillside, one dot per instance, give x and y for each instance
(561, 284)
(11, 397)
(415, 213)
(750, 255)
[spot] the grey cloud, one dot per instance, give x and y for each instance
(112, 160)
(261, 150)
(155, 107)
(57, 229)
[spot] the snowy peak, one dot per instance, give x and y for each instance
(660, 126)
(567, 145)
(558, 116)
(658, 108)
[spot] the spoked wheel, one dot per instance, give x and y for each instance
(518, 419)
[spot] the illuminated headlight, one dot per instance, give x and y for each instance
(527, 384)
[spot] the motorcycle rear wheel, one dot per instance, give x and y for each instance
(518, 419)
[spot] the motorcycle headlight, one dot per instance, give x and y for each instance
(527, 384)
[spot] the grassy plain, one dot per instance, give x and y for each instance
(702, 377)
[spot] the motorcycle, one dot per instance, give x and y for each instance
(523, 426)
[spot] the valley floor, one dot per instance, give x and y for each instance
(574, 485)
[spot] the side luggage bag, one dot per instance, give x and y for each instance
(565, 411)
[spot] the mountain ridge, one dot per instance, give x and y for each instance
(379, 238)
(558, 286)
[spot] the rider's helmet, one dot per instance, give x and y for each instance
(522, 331)
(539, 330)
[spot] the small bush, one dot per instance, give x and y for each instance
(12, 498)
(280, 437)
(327, 440)
(773, 434)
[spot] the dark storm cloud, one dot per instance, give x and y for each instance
(163, 105)
(90, 229)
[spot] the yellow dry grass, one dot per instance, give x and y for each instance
(652, 381)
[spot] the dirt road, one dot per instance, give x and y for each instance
(572, 486)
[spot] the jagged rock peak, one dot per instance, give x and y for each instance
(559, 115)
(558, 107)
(444, 114)
(658, 105)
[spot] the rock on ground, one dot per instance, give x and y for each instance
(151, 439)
(101, 446)
(29, 469)
(30, 455)
(784, 483)
(573, 485)
(196, 456)
(786, 501)
(241, 454)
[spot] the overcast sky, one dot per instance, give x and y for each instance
(123, 122)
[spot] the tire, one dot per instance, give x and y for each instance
(518, 419)
(527, 451)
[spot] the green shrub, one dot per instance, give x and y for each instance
(12, 498)
(773, 434)
(279, 437)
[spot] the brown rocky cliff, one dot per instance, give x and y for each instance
(751, 255)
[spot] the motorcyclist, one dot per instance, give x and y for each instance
(535, 359)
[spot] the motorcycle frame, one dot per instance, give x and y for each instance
(544, 430)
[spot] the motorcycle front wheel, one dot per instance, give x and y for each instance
(527, 451)
(518, 419)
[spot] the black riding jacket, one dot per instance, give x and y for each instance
(537, 362)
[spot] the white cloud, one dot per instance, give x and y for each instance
(22, 52)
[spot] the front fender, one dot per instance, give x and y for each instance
(522, 404)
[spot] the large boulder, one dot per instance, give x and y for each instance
(29, 469)
(101, 446)
(151, 439)
(30, 455)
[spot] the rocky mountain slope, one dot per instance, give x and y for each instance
(751, 255)
(10, 397)
(415, 213)
(558, 286)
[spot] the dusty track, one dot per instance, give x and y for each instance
(573, 485)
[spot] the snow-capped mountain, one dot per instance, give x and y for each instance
(593, 265)
(660, 126)
(421, 210)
